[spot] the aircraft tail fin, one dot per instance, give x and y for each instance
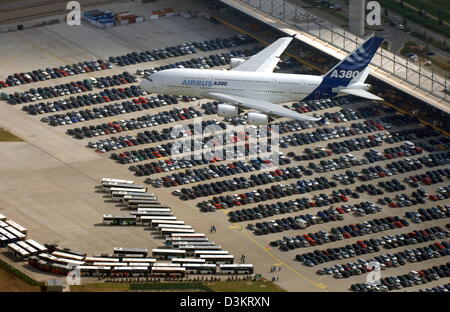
(350, 71)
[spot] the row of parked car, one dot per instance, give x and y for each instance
(437, 289)
(89, 99)
(132, 124)
(410, 279)
(403, 166)
(428, 214)
(209, 145)
(305, 220)
(275, 191)
(344, 161)
(144, 121)
(343, 115)
(55, 72)
(413, 134)
(180, 147)
(179, 50)
(442, 194)
(403, 200)
(429, 177)
(296, 222)
(234, 168)
(340, 233)
(146, 137)
(361, 247)
(385, 261)
(108, 110)
(128, 157)
(324, 134)
(239, 183)
(219, 43)
(436, 159)
(204, 62)
(404, 150)
(173, 164)
(309, 154)
(317, 105)
(391, 169)
(42, 93)
(369, 189)
(392, 185)
(269, 210)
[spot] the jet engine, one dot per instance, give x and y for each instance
(225, 110)
(235, 61)
(257, 119)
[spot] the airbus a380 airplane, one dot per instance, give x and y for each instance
(251, 83)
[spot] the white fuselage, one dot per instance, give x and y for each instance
(271, 87)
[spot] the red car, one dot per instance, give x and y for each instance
(362, 244)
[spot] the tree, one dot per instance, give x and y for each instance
(440, 17)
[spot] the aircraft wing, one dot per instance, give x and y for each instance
(261, 106)
(267, 59)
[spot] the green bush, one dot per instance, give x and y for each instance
(437, 44)
(412, 15)
(437, 8)
(19, 274)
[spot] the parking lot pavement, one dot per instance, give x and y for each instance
(61, 44)
(57, 201)
(49, 181)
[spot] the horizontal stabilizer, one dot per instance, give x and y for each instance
(361, 93)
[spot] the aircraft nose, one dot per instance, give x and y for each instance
(145, 85)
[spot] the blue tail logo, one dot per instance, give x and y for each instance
(352, 68)
(356, 62)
